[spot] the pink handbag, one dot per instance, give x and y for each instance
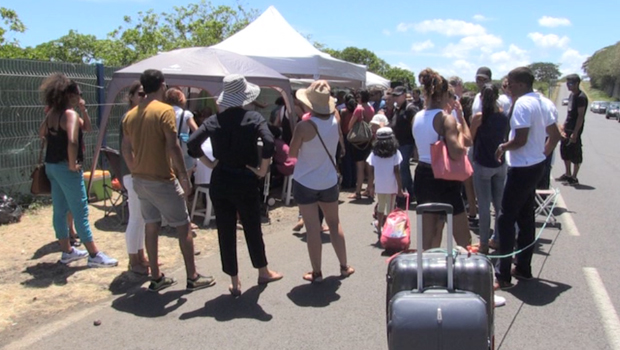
(445, 167)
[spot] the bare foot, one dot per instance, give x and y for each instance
(268, 277)
(299, 226)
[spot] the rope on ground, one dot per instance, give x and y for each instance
(455, 251)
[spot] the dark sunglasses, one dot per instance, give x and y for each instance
(141, 94)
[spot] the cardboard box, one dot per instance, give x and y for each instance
(97, 190)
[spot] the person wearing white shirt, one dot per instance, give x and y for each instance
(526, 151)
(483, 76)
(504, 101)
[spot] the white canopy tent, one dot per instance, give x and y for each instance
(271, 40)
(376, 81)
(196, 67)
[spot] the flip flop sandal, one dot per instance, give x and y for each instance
(313, 277)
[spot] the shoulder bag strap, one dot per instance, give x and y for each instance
(442, 127)
(323, 143)
(43, 142)
(181, 123)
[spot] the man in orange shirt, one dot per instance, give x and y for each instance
(150, 143)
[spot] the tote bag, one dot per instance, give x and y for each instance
(445, 167)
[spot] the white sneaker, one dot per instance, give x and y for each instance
(499, 300)
(75, 254)
(102, 260)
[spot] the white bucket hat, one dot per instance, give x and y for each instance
(237, 92)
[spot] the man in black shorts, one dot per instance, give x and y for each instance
(570, 148)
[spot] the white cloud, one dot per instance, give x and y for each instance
(549, 40)
(485, 43)
(463, 65)
(504, 61)
(403, 66)
(571, 62)
(546, 21)
(449, 27)
(480, 18)
(403, 27)
(418, 47)
(386, 32)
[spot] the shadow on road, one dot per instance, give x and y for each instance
(46, 274)
(146, 304)
(227, 308)
(538, 292)
(325, 238)
(126, 282)
(317, 294)
(50, 248)
(584, 187)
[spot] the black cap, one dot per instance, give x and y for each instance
(573, 78)
(484, 72)
(399, 90)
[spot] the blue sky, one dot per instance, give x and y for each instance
(453, 37)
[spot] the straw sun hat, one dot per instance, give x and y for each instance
(237, 92)
(317, 97)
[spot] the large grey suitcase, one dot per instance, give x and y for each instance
(438, 317)
(472, 272)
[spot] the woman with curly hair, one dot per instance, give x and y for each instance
(429, 125)
(63, 166)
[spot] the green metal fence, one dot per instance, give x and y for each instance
(21, 113)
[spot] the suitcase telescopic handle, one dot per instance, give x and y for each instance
(433, 208)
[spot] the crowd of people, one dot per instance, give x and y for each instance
(508, 132)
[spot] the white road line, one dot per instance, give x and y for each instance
(568, 224)
(610, 319)
(52, 328)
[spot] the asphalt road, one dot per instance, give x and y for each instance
(560, 309)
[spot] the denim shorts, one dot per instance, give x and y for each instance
(159, 199)
(305, 195)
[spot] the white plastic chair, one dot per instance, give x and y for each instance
(207, 213)
(287, 188)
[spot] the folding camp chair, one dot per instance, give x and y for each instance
(545, 202)
(116, 194)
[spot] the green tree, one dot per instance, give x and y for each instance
(372, 62)
(400, 74)
(199, 24)
(603, 68)
(365, 57)
(72, 48)
(545, 71)
(470, 86)
(10, 23)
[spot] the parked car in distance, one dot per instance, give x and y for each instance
(613, 111)
(599, 107)
(565, 102)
